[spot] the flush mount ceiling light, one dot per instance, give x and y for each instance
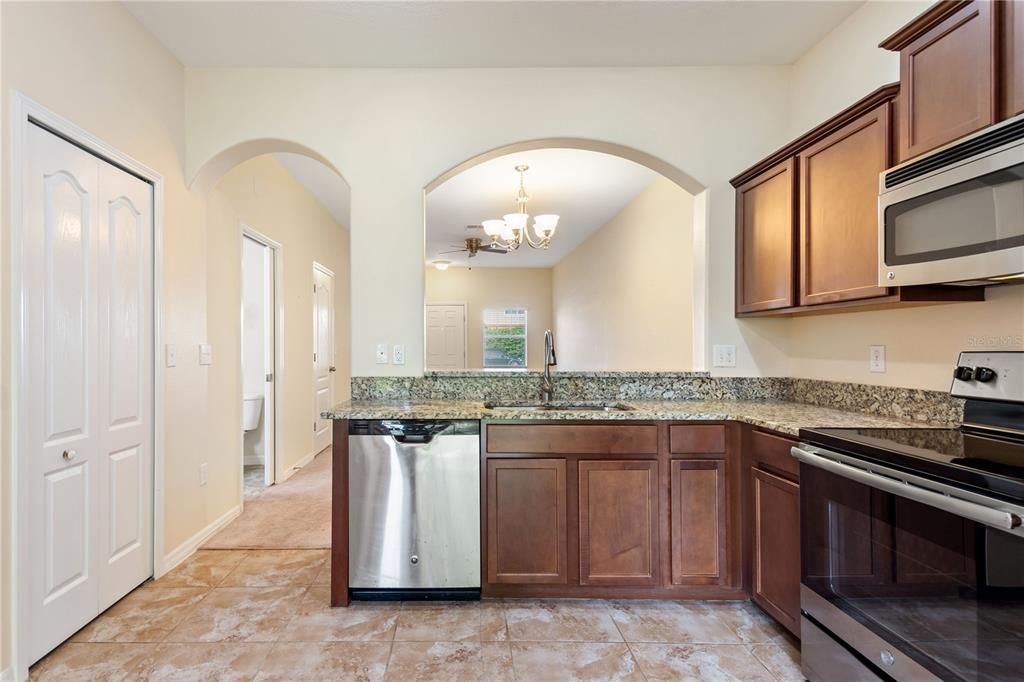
(510, 232)
(441, 264)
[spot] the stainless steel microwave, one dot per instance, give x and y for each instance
(956, 215)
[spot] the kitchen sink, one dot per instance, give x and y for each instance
(559, 406)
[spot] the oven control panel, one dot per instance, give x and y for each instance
(993, 375)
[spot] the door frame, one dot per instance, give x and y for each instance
(270, 463)
(323, 269)
(465, 333)
(24, 113)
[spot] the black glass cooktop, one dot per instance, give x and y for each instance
(987, 463)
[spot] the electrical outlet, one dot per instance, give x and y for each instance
(398, 354)
(171, 355)
(203, 471)
(876, 359)
(205, 354)
(724, 356)
(382, 353)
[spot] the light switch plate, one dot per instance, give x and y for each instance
(398, 354)
(876, 359)
(382, 353)
(205, 354)
(724, 356)
(170, 355)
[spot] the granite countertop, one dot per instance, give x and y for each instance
(784, 417)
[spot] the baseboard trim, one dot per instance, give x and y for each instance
(298, 465)
(188, 548)
(252, 460)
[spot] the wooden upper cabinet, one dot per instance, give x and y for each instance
(1013, 59)
(765, 226)
(838, 239)
(699, 510)
(948, 74)
(526, 521)
(618, 508)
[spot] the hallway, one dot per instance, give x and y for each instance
(295, 514)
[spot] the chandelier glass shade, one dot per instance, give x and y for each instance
(511, 231)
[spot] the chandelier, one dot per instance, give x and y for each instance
(510, 232)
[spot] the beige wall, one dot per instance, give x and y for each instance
(921, 343)
(483, 288)
(262, 194)
(709, 122)
(71, 58)
(623, 299)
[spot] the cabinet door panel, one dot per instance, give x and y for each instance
(698, 502)
(1013, 59)
(618, 503)
(526, 521)
(839, 211)
(764, 240)
(947, 79)
(777, 548)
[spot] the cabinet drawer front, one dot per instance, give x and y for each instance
(579, 439)
(777, 548)
(618, 507)
(526, 521)
(773, 452)
(698, 501)
(703, 439)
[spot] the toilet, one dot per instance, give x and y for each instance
(252, 410)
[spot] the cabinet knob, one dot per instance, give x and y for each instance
(68, 455)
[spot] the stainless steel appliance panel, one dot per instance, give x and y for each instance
(963, 221)
(823, 659)
(414, 511)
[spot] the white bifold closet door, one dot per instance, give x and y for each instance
(87, 385)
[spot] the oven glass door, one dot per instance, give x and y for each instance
(944, 590)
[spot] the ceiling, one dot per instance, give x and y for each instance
(585, 188)
(490, 33)
(329, 188)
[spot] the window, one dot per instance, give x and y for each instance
(505, 338)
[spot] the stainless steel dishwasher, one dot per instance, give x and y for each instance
(414, 509)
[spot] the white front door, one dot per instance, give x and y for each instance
(446, 337)
(323, 355)
(87, 385)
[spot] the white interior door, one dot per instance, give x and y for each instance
(446, 336)
(87, 378)
(323, 355)
(269, 363)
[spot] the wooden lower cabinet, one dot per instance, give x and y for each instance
(526, 521)
(776, 550)
(618, 517)
(699, 512)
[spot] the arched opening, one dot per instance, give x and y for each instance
(621, 283)
(278, 287)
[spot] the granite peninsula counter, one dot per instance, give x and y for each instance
(780, 416)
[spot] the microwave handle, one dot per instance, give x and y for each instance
(994, 518)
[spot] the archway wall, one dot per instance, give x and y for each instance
(396, 133)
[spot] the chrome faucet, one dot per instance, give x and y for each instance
(547, 386)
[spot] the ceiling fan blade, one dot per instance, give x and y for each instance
(491, 248)
(455, 251)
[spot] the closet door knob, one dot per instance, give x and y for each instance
(68, 455)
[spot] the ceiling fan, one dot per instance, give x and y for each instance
(475, 245)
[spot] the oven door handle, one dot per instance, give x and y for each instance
(988, 516)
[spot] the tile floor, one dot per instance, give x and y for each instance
(264, 615)
(254, 481)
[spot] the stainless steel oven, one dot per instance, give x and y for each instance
(956, 215)
(912, 543)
